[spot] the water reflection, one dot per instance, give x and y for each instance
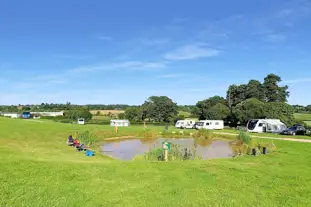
(128, 149)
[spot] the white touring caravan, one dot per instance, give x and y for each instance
(265, 125)
(120, 123)
(81, 121)
(185, 124)
(210, 124)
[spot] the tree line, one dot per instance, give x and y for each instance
(243, 102)
(255, 99)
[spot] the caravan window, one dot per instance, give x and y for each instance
(260, 124)
(252, 124)
(216, 123)
(206, 123)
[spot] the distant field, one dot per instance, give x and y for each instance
(105, 112)
(303, 117)
(184, 113)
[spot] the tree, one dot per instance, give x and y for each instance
(202, 107)
(121, 115)
(308, 108)
(249, 109)
(273, 92)
(236, 94)
(74, 114)
(218, 112)
(279, 110)
(132, 113)
(179, 117)
(255, 90)
(159, 108)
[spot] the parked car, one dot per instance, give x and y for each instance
(295, 130)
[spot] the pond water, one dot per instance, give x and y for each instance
(127, 149)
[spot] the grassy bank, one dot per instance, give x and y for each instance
(37, 169)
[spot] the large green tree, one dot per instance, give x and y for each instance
(75, 114)
(236, 94)
(256, 90)
(279, 110)
(218, 112)
(159, 108)
(202, 107)
(132, 113)
(274, 92)
(249, 109)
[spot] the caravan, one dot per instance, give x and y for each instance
(210, 124)
(185, 124)
(265, 125)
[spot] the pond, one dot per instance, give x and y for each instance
(127, 149)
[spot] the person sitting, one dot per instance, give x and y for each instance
(70, 141)
(81, 147)
(76, 143)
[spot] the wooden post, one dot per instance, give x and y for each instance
(116, 128)
(166, 155)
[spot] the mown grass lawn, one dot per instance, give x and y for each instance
(37, 169)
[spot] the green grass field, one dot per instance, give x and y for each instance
(38, 169)
(303, 117)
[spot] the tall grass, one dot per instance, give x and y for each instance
(87, 138)
(147, 134)
(204, 133)
(175, 153)
(245, 145)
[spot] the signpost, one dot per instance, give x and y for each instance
(166, 147)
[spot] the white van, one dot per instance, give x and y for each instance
(210, 124)
(185, 124)
(81, 121)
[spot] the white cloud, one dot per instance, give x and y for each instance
(191, 51)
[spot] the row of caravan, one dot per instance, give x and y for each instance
(202, 124)
(254, 125)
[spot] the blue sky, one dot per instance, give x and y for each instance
(125, 51)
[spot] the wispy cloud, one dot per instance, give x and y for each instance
(105, 38)
(191, 51)
(40, 81)
(172, 75)
(127, 65)
(72, 57)
(275, 38)
(299, 80)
